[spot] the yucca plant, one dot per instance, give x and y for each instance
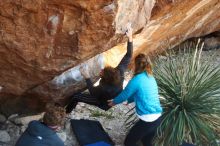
(190, 91)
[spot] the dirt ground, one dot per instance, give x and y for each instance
(113, 121)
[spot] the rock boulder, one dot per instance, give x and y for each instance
(43, 43)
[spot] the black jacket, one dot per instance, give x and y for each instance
(106, 92)
(38, 134)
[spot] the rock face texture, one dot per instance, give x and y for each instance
(40, 40)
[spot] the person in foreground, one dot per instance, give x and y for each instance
(143, 90)
(111, 83)
(44, 133)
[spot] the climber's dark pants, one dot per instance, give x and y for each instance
(142, 131)
(81, 97)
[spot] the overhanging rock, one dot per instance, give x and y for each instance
(41, 40)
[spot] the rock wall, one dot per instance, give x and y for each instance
(40, 40)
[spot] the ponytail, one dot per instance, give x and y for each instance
(142, 64)
(149, 69)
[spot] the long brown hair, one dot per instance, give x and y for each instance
(110, 76)
(142, 64)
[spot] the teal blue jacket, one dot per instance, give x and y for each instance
(143, 90)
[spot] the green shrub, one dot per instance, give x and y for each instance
(96, 113)
(190, 91)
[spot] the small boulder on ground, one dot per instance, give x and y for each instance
(4, 136)
(2, 118)
(26, 119)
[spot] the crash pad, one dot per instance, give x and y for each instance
(90, 133)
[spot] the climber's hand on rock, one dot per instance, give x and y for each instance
(129, 32)
(84, 71)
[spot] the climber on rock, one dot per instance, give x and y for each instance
(44, 133)
(111, 83)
